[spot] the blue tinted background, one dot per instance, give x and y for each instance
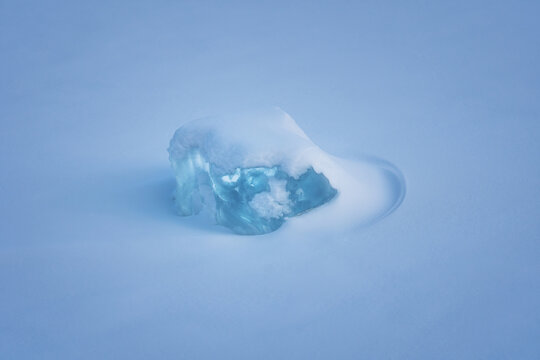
(95, 265)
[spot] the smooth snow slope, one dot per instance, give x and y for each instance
(94, 264)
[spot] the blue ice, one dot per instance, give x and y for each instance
(251, 172)
(249, 201)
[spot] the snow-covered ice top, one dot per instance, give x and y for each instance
(263, 138)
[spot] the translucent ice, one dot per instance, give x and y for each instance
(252, 172)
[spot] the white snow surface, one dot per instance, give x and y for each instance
(266, 137)
(95, 263)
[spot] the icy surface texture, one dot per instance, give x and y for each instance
(251, 171)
